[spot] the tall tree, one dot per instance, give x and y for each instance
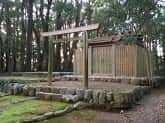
(20, 19)
(78, 22)
(45, 23)
(23, 35)
(30, 34)
(1, 40)
(59, 22)
(9, 42)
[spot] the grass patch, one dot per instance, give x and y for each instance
(76, 116)
(10, 99)
(28, 109)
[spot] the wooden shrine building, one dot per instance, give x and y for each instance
(107, 56)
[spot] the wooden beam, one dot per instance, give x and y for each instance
(72, 30)
(85, 55)
(63, 40)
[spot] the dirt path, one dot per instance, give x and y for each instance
(150, 110)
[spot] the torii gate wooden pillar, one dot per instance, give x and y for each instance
(83, 29)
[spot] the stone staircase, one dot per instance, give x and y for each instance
(58, 94)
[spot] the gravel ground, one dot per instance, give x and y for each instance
(151, 109)
(94, 84)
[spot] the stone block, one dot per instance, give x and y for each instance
(70, 91)
(57, 97)
(46, 89)
(48, 115)
(109, 96)
(60, 113)
(102, 97)
(16, 89)
(122, 100)
(47, 96)
(80, 93)
(55, 90)
(25, 90)
(80, 105)
(75, 98)
(62, 90)
(32, 91)
(88, 95)
(38, 118)
(40, 95)
(96, 94)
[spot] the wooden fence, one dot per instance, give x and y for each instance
(114, 60)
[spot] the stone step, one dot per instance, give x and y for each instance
(62, 90)
(57, 97)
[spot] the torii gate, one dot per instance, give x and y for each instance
(83, 29)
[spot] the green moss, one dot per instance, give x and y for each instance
(10, 99)
(28, 109)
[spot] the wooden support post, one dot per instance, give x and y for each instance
(50, 61)
(85, 55)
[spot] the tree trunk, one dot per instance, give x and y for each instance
(57, 59)
(29, 35)
(163, 57)
(45, 29)
(9, 41)
(65, 47)
(1, 60)
(23, 36)
(1, 43)
(77, 24)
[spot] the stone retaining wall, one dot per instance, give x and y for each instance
(123, 99)
(98, 97)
